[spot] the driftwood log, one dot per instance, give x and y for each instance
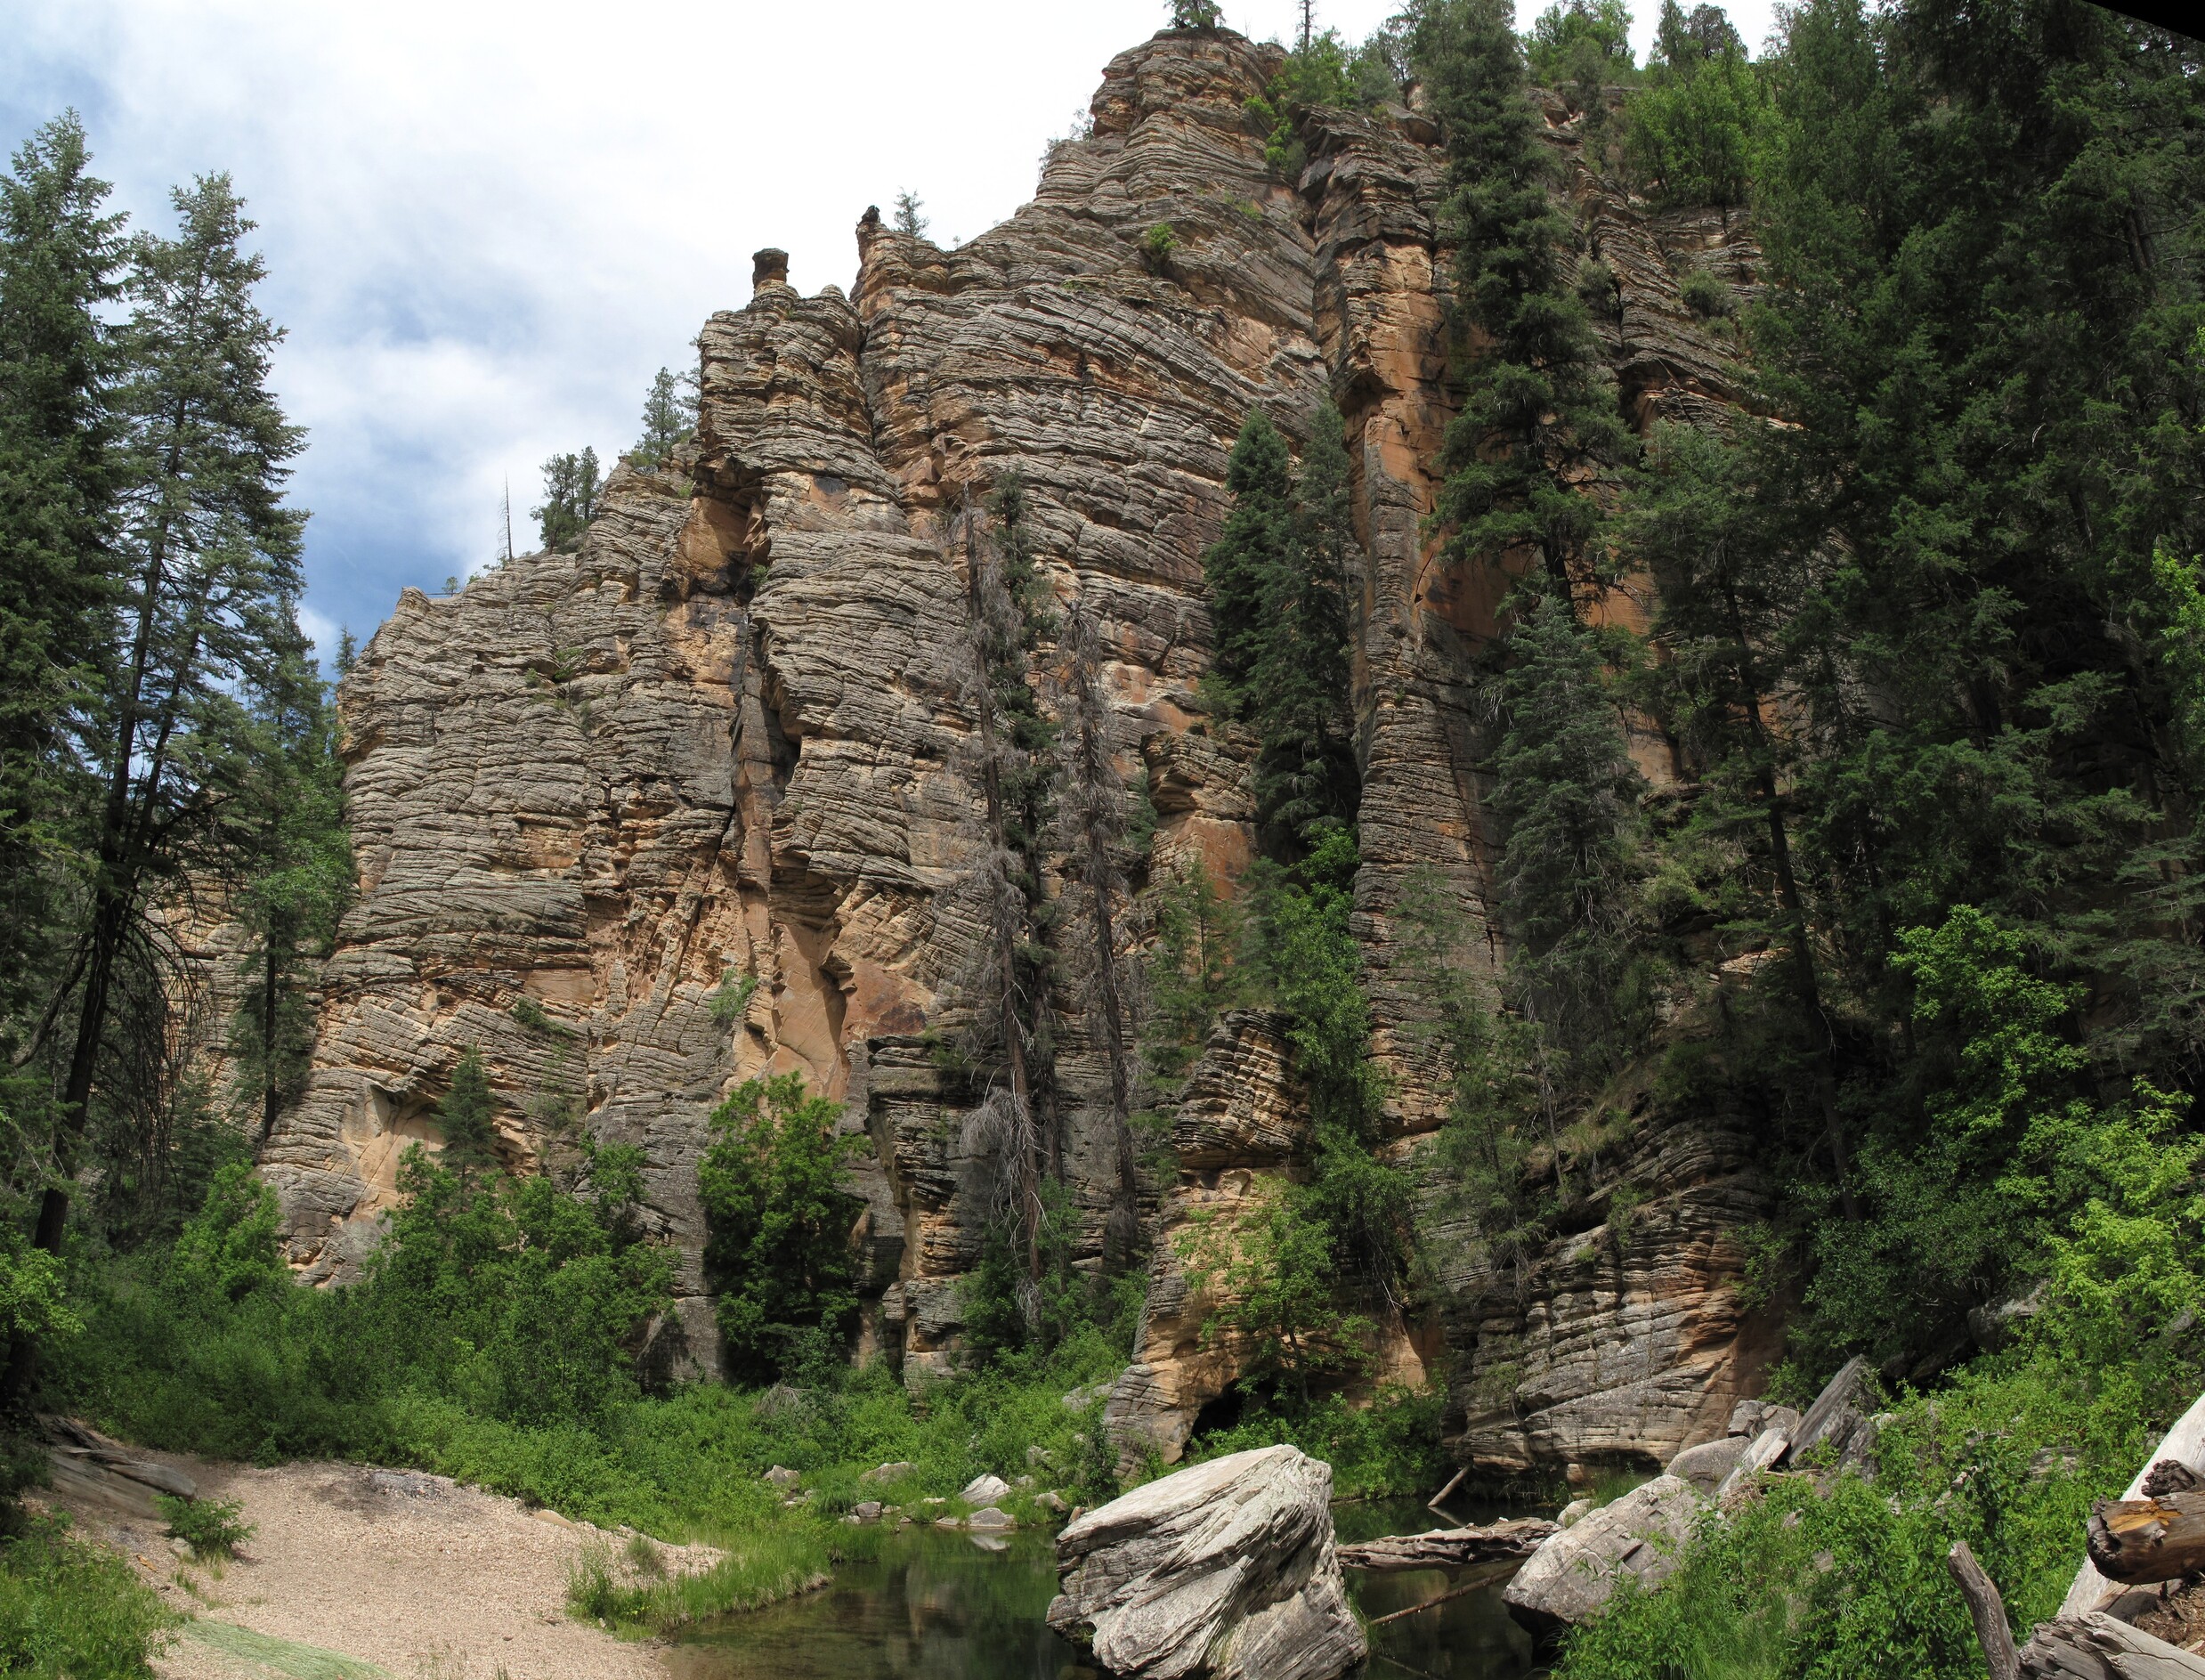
(2096, 1647)
(2151, 1539)
(1449, 1548)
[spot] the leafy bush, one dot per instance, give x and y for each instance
(1156, 247)
(73, 1611)
(775, 1183)
(1706, 295)
(211, 1528)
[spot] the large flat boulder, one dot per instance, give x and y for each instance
(1569, 1580)
(1226, 1571)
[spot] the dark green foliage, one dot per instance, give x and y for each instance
(1278, 579)
(1533, 406)
(1297, 689)
(669, 419)
(1307, 959)
(1565, 809)
(467, 1118)
(1196, 14)
(909, 221)
(569, 501)
(59, 473)
(204, 562)
(775, 1185)
(1237, 569)
(1694, 128)
(231, 1246)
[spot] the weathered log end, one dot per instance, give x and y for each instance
(2137, 1541)
(1450, 1548)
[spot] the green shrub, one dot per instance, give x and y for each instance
(1156, 247)
(73, 1611)
(211, 1528)
(1706, 295)
(775, 1184)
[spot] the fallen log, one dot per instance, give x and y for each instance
(1450, 1548)
(1476, 1583)
(2137, 1541)
(2096, 1647)
(2184, 1444)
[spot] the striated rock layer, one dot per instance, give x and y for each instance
(717, 750)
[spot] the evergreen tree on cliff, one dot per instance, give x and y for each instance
(1240, 569)
(1532, 410)
(1298, 688)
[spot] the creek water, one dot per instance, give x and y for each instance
(937, 1605)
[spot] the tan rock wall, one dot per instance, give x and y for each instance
(724, 737)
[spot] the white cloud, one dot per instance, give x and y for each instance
(487, 224)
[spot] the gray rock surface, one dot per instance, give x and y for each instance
(1228, 1570)
(1569, 1580)
(1707, 1465)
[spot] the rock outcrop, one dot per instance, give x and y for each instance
(715, 753)
(1226, 1571)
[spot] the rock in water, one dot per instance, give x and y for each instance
(1569, 1580)
(1226, 1571)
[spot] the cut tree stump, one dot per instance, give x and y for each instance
(1450, 1548)
(2137, 1541)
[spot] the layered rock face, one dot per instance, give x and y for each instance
(722, 743)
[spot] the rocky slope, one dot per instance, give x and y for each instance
(720, 743)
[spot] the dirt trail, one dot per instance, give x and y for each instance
(356, 1574)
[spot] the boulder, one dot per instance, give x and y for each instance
(1708, 1466)
(1837, 1415)
(1569, 1580)
(984, 1489)
(1228, 1570)
(781, 1476)
(991, 1518)
(1765, 1449)
(1574, 1513)
(888, 1473)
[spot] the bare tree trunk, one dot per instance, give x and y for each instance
(1989, 1610)
(1006, 951)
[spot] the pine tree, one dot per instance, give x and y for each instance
(59, 477)
(1533, 412)
(1565, 806)
(670, 418)
(909, 223)
(467, 1119)
(569, 501)
(1239, 569)
(210, 561)
(1297, 691)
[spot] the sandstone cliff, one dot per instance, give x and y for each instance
(720, 743)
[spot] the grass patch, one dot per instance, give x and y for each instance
(281, 1656)
(1389, 1447)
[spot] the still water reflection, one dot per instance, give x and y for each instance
(938, 1605)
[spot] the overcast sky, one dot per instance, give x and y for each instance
(487, 224)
